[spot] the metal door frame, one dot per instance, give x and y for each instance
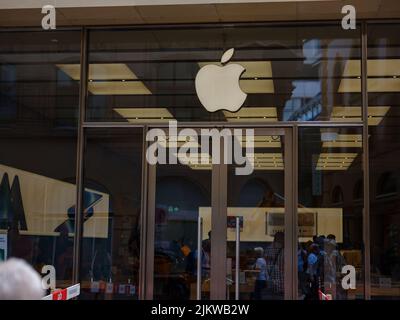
(218, 219)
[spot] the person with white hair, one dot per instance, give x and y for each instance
(261, 267)
(19, 281)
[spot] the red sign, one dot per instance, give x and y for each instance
(59, 295)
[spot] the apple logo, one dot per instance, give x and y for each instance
(218, 86)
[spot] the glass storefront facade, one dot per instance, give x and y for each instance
(76, 106)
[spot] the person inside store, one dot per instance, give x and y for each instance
(274, 257)
(261, 267)
(322, 268)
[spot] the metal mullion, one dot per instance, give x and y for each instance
(210, 25)
(143, 221)
(78, 232)
(366, 211)
(150, 234)
(204, 25)
(223, 124)
(218, 229)
(295, 195)
(289, 218)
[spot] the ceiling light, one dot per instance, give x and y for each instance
(335, 161)
(253, 114)
(145, 114)
(376, 68)
(257, 86)
(188, 141)
(197, 161)
(254, 69)
(262, 141)
(100, 71)
(344, 141)
(118, 88)
(353, 114)
(102, 79)
(374, 85)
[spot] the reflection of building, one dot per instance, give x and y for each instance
(72, 136)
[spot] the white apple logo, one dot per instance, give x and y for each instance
(218, 86)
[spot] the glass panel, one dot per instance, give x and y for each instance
(384, 143)
(258, 199)
(330, 248)
(112, 197)
(38, 119)
(301, 73)
(183, 194)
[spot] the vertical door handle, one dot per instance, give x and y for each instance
(237, 266)
(199, 251)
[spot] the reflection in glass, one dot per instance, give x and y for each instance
(329, 219)
(384, 91)
(38, 132)
(111, 237)
(258, 200)
(301, 73)
(183, 200)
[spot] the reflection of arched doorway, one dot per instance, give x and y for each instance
(337, 195)
(387, 185)
(257, 192)
(358, 190)
(251, 192)
(180, 193)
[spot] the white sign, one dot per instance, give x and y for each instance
(48, 205)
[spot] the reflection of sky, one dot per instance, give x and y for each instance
(306, 88)
(304, 103)
(312, 51)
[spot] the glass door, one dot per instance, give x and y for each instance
(182, 232)
(213, 233)
(179, 213)
(258, 221)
